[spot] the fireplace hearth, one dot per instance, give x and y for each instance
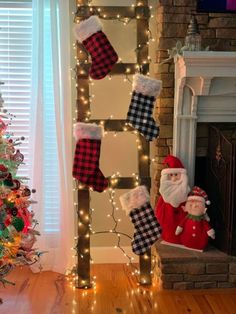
(183, 269)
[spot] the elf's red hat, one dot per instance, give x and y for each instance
(174, 165)
(198, 194)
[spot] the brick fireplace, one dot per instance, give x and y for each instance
(205, 92)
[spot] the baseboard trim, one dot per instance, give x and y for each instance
(110, 255)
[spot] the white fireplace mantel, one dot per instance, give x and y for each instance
(205, 91)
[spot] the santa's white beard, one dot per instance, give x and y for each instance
(176, 192)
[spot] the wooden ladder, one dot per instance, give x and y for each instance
(141, 13)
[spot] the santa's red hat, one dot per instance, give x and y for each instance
(198, 194)
(173, 164)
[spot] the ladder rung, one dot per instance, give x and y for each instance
(106, 12)
(82, 71)
(126, 183)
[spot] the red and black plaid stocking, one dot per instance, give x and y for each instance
(87, 153)
(89, 33)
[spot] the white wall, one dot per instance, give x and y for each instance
(119, 153)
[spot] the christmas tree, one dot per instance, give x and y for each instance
(17, 223)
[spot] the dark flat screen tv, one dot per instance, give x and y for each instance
(216, 6)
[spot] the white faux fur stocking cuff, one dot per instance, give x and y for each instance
(87, 28)
(134, 198)
(146, 85)
(198, 198)
(87, 131)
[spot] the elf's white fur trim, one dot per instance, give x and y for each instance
(134, 198)
(87, 131)
(88, 27)
(196, 198)
(173, 170)
(146, 85)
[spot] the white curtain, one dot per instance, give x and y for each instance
(51, 120)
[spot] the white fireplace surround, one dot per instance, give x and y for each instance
(205, 91)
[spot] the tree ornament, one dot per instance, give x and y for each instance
(16, 185)
(14, 211)
(3, 172)
(28, 240)
(26, 192)
(8, 182)
(18, 223)
(18, 157)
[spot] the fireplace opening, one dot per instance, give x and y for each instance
(215, 171)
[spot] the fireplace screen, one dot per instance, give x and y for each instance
(221, 185)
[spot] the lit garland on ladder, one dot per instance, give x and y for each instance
(86, 99)
(111, 192)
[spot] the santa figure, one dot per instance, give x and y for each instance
(195, 230)
(174, 190)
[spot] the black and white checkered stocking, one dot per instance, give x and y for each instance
(140, 114)
(147, 228)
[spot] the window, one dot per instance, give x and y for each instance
(16, 72)
(15, 69)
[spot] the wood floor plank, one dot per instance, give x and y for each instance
(218, 304)
(203, 304)
(187, 304)
(229, 302)
(117, 292)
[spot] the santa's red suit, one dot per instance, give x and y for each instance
(169, 218)
(174, 191)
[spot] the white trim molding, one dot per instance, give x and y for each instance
(205, 91)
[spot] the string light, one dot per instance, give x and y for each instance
(112, 215)
(114, 230)
(85, 98)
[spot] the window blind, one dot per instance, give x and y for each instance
(15, 72)
(50, 160)
(15, 69)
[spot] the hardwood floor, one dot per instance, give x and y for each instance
(116, 293)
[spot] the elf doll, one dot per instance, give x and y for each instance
(195, 230)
